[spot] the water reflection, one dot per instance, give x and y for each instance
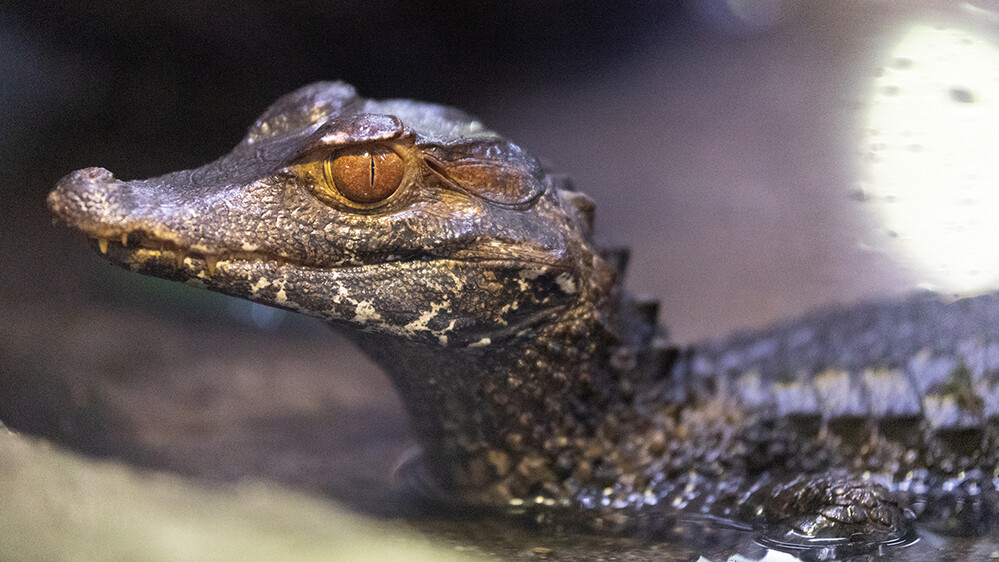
(929, 139)
(770, 556)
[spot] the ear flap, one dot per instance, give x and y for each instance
(581, 208)
(493, 169)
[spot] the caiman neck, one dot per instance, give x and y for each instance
(507, 419)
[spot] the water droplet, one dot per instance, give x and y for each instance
(902, 63)
(961, 95)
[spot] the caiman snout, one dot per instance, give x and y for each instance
(86, 199)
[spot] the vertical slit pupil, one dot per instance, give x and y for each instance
(353, 174)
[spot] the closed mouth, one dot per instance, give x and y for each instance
(140, 246)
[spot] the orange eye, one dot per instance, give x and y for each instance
(365, 175)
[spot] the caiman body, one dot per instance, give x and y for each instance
(533, 381)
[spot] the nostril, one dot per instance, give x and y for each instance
(95, 174)
(85, 180)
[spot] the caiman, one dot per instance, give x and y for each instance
(533, 381)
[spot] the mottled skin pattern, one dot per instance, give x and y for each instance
(533, 381)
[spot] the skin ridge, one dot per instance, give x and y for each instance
(535, 383)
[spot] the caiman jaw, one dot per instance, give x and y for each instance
(272, 242)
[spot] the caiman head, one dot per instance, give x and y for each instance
(394, 216)
(457, 262)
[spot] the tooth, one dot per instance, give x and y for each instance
(210, 262)
(124, 239)
(102, 243)
(181, 256)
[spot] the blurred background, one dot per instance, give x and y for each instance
(760, 157)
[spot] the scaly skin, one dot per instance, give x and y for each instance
(532, 380)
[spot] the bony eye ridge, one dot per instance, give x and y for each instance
(365, 176)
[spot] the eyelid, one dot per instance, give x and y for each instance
(353, 130)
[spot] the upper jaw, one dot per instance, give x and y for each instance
(93, 201)
(196, 227)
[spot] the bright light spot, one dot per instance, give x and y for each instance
(770, 556)
(261, 316)
(932, 167)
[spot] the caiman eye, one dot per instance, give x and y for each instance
(365, 175)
